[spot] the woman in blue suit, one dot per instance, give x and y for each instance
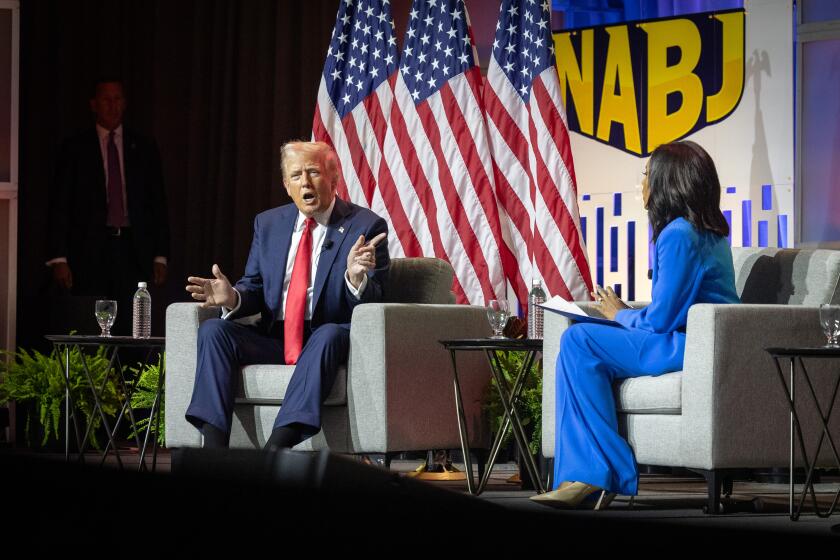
(693, 264)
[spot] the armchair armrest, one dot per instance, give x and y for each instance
(733, 405)
(400, 383)
(182, 321)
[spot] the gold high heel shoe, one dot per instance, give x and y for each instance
(571, 495)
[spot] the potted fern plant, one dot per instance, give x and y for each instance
(37, 381)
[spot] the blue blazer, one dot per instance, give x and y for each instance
(261, 288)
(689, 267)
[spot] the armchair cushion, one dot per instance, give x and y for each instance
(650, 395)
(269, 382)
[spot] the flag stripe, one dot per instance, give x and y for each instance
(562, 219)
(358, 158)
(530, 143)
(463, 228)
(320, 132)
(557, 131)
(481, 186)
(403, 160)
(511, 135)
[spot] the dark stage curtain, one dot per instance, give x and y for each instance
(220, 84)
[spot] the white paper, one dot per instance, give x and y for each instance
(557, 303)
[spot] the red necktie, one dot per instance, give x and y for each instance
(116, 211)
(296, 298)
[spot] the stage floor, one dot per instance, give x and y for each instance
(666, 499)
(663, 500)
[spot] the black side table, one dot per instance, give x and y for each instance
(509, 396)
(795, 356)
(112, 345)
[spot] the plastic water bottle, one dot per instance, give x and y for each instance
(142, 318)
(535, 313)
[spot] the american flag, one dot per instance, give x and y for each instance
(529, 137)
(354, 101)
(437, 155)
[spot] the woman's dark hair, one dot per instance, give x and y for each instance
(683, 183)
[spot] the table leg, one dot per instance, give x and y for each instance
(66, 405)
(797, 436)
(70, 411)
(519, 382)
(126, 408)
(98, 406)
(824, 419)
(792, 428)
(494, 452)
(113, 364)
(509, 404)
(462, 427)
(161, 378)
(154, 416)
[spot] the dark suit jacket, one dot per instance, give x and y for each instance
(261, 288)
(78, 205)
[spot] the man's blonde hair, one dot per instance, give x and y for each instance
(328, 155)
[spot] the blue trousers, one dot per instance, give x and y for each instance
(225, 346)
(588, 447)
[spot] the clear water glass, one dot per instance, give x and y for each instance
(106, 313)
(497, 315)
(830, 321)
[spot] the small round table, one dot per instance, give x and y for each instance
(794, 356)
(112, 345)
(509, 396)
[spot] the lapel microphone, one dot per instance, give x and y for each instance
(327, 244)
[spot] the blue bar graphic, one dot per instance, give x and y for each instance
(783, 240)
(631, 260)
(728, 215)
(599, 246)
(586, 197)
(766, 197)
(746, 223)
(730, 190)
(614, 249)
(583, 228)
(762, 233)
(617, 204)
(617, 289)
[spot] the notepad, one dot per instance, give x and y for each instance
(568, 309)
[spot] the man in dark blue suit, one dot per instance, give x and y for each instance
(310, 264)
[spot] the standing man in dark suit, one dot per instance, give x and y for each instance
(109, 226)
(311, 263)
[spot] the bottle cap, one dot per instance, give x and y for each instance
(141, 284)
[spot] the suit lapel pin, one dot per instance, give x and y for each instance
(341, 229)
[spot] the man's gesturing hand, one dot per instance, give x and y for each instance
(214, 292)
(362, 258)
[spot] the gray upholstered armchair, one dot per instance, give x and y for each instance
(726, 411)
(396, 393)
